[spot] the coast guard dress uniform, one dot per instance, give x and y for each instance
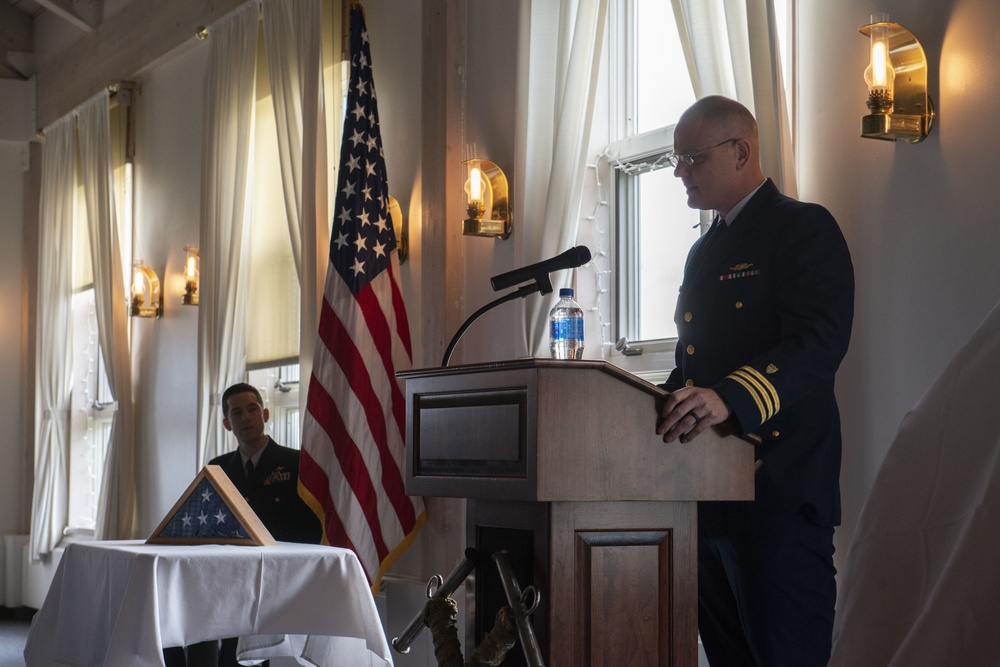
(273, 494)
(764, 318)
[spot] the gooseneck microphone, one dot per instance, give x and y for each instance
(540, 271)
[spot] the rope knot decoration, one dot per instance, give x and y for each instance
(440, 613)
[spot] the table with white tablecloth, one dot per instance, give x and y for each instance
(121, 603)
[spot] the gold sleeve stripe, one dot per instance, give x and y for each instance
(760, 389)
(771, 391)
(753, 394)
(760, 394)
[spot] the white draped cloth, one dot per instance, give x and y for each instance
(292, 35)
(732, 50)
(558, 69)
(222, 316)
(114, 604)
(292, 38)
(53, 360)
(116, 518)
(921, 585)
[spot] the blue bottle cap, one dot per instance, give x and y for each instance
(566, 293)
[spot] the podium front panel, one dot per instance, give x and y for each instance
(472, 435)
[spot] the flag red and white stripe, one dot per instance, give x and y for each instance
(351, 469)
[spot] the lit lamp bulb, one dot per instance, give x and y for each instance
(476, 205)
(191, 277)
(880, 74)
(476, 185)
(137, 288)
(147, 299)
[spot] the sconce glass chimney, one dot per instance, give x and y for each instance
(191, 274)
(880, 74)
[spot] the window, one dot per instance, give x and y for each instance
(273, 312)
(273, 305)
(279, 387)
(654, 227)
(90, 418)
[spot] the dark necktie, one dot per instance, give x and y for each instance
(712, 236)
(248, 470)
(717, 228)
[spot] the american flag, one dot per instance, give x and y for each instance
(351, 467)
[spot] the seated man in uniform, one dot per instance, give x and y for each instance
(267, 475)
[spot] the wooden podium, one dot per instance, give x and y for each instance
(561, 467)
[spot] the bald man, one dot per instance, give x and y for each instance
(764, 319)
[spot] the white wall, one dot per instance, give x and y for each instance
(16, 129)
(13, 162)
(167, 218)
(921, 220)
(395, 40)
(491, 88)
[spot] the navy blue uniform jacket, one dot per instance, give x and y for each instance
(764, 318)
(273, 493)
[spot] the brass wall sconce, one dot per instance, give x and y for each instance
(399, 228)
(145, 290)
(191, 272)
(896, 76)
(486, 190)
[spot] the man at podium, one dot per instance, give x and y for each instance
(764, 319)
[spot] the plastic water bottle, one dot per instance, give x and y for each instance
(566, 327)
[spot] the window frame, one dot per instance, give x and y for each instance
(631, 155)
(279, 384)
(90, 419)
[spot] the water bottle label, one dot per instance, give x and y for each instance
(568, 329)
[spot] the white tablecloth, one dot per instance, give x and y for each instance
(120, 603)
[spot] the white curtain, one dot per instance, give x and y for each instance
(920, 585)
(53, 362)
(732, 49)
(557, 75)
(293, 40)
(117, 511)
(229, 107)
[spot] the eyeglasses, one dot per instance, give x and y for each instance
(674, 159)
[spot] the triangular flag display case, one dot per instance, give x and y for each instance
(211, 511)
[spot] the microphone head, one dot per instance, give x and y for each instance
(539, 271)
(582, 255)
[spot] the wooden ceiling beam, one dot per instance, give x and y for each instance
(15, 29)
(16, 39)
(130, 40)
(84, 15)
